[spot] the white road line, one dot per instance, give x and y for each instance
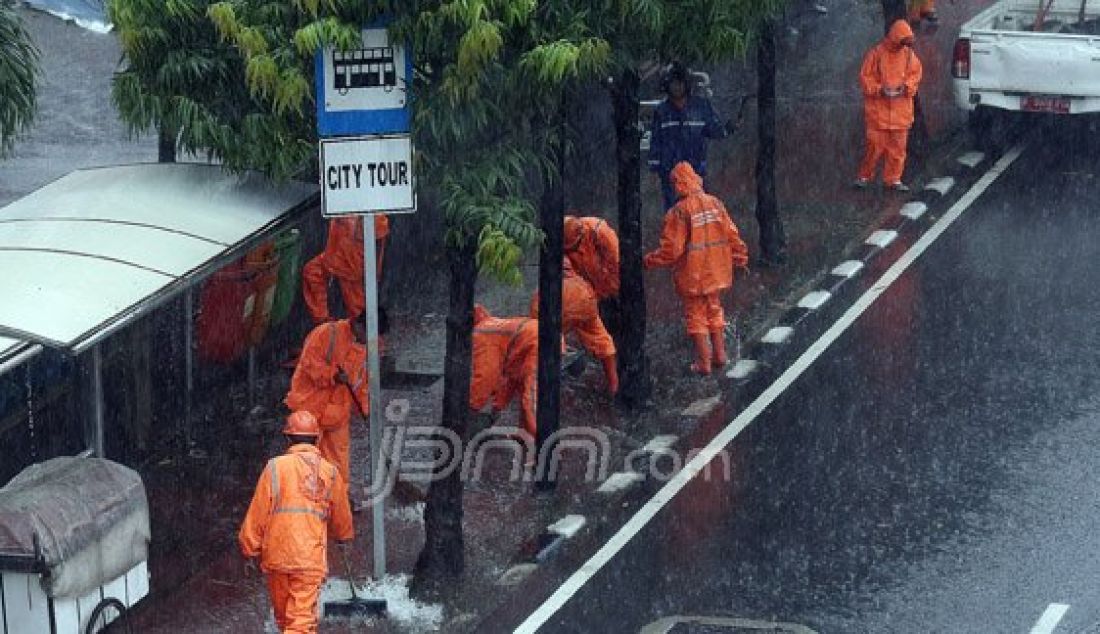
(644, 515)
(1050, 619)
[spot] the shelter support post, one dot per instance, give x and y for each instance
(251, 377)
(188, 352)
(378, 465)
(97, 400)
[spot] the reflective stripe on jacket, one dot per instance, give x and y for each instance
(699, 240)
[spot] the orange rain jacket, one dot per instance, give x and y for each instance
(593, 249)
(580, 313)
(699, 240)
(299, 499)
(505, 363)
(328, 348)
(344, 249)
(890, 64)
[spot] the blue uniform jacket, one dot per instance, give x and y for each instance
(681, 135)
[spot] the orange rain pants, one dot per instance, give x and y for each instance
(343, 260)
(294, 598)
(329, 348)
(703, 246)
(703, 314)
(580, 314)
(889, 143)
(505, 364)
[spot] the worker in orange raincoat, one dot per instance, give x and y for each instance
(329, 381)
(592, 247)
(889, 78)
(505, 364)
(580, 314)
(343, 260)
(300, 500)
(703, 247)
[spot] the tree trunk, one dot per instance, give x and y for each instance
(773, 240)
(892, 11)
(633, 366)
(166, 145)
(444, 549)
(552, 213)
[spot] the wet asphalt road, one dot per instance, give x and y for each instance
(936, 469)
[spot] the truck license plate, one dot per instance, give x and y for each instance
(1043, 103)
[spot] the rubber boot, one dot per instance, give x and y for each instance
(611, 371)
(702, 355)
(718, 345)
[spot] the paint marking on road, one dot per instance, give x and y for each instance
(1050, 619)
(635, 524)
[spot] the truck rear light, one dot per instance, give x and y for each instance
(960, 62)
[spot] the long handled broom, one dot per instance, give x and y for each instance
(356, 606)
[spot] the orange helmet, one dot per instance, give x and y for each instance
(302, 423)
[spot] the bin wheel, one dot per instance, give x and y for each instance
(109, 613)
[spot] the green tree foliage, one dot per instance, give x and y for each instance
(18, 72)
(181, 77)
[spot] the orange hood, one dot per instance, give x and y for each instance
(685, 181)
(899, 32)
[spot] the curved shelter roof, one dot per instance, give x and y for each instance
(84, 255)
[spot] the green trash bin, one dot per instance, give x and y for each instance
(288, 247)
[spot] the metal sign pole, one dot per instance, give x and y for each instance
(370, 284)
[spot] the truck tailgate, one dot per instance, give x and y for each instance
(1035, 63)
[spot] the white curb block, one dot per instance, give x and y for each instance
(567, 526)
(660, 444)
(881, 238)
(701, 407)
(743, 369)
(848, 269)
(941, 185)
(777, 335)
(620, 481)
(914, 210)
(972, 159)
(815, 300)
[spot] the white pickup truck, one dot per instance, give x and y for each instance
(1028, 56)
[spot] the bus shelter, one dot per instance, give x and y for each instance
(95, 250)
